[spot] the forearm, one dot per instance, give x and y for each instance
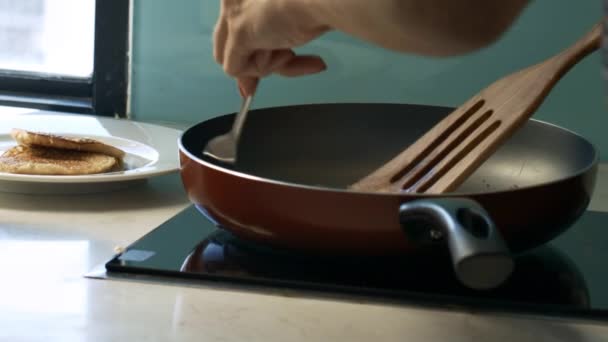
(426, 27)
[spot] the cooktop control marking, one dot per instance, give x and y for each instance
(136, 255)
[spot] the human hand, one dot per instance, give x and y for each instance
(255, 38)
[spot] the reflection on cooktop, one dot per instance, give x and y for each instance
(564, 278)
(543, 277)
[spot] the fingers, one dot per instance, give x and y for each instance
(237, 48)
(237, 58)
(279, 59)
(261, 60)
(283, 62)
(247, 85)
(264, 62)
(301, 66)
(219, 38)
(220, 33)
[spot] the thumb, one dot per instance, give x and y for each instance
(247, 85)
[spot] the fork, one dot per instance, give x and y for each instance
(443, 158)
(223, 148)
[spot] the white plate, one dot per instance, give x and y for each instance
(151, 150)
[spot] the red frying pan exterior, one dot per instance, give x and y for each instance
(323, 221)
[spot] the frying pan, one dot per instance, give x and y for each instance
(288, 189)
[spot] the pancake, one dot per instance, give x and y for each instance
(55, 161)
(38, 139)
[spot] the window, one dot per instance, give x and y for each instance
(65, 55)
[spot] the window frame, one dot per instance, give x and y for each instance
(105, 93)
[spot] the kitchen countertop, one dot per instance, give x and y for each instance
(48, 243)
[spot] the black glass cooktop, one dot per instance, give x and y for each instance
(567, 277)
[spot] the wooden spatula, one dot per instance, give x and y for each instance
(453, 149)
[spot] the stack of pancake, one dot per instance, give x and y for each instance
(40, 153)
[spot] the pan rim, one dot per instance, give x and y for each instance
(578, 173)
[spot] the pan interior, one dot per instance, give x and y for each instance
(333, 145)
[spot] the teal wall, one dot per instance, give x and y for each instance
(176, 79)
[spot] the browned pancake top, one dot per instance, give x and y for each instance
(49, 161)
(29, 138)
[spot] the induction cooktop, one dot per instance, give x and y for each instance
(566, 277)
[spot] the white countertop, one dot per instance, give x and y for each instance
(48, 243)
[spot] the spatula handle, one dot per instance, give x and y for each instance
(561, 63)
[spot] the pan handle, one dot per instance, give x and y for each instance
(480, 256)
